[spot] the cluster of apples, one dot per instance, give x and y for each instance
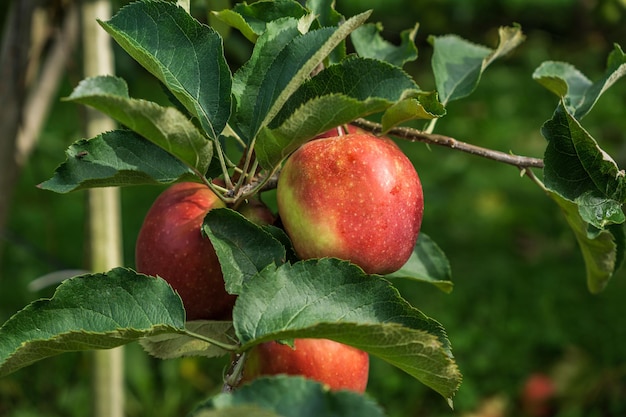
(352, 196)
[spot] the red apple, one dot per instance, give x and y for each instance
(355, 197)
(334, 364)
(170, 244)
(538, 394)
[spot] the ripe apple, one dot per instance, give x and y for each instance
(355, 197)
(538, 394)
(334, 364)
(170, 244)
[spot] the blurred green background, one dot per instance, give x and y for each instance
(520, 303)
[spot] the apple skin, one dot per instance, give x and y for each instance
(538, 393)
(170, 244)
(334, 364)
(355, 197)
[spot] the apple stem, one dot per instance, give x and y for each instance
(249, 159)
(222, 159)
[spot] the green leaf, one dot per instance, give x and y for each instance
(326, 15)
(424, 105)
(564, 80)
(337, 95)
(602, 250)
(243, 248)
(185, 55)
(427, 263)
(116, 158)
(265, 397)
(98, 311)
(458, 64)
(334, 299)
(369, 43)
(243, 410)
(164, 126)
(252, 19)
(174, 345)
(577, 92)
(579, 170)
(282, 60)
(314, 117)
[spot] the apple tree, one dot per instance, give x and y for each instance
(218, 273)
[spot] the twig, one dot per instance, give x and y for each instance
(415, 135)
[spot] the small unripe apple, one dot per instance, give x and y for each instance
(334, 364)
(355, 197)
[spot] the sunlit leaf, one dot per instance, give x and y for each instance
(282, 60)
(337, 95)
(164, 126)
(116, 158)
(421, 105)
(334, 299)
(185, 55)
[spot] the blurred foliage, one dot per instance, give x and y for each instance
(520, 303)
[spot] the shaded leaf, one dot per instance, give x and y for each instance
(602, 250)
(458, 64)
(369, 43)
(97, 311)
(579, 170)
(243, 248)
(252, 19)
(175, 345)
(564, 80)
(164, 126)
(266, 397)
(427, 263)
(185, 55)
(578, 93)
(116, 158)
